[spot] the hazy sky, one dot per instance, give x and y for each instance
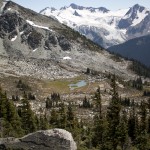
(38, 5)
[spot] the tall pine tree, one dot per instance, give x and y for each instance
(28, 117)
(113, 116)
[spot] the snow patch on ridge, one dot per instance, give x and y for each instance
(14, 38)
(38, 26)
(66, 58)
(35, 50)
(21, 32)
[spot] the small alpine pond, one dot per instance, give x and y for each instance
(79, 84)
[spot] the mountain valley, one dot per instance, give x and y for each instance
(61, 76)
(38, 47)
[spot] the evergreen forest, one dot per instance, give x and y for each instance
(112, 128)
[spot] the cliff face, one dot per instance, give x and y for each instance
(55, 139)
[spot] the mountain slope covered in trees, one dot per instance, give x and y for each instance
(137, 49)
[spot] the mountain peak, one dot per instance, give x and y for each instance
(48, 9)
(138, 7)
(74, 6)
(134, 16)
(102, 25)
(134, 10)
(103, 9)
(92, 9)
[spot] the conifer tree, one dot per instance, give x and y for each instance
(3, 105)
(123, 131)
(54, 118)
(70, 117)
(37, 122)
(43, 123)
(86, 103)
(14, 119)
(113, 116)
(98, 102)
(148, 120)
(99, 138)
(7, 130)
(63, 116)
(28, 118)
(100, 124)
(143, 117)
(55, 97)
(11, 121)
(142, 139)
(49, 103)
(133, 125)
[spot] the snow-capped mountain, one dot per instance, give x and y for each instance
(134, 16)
(103, 26)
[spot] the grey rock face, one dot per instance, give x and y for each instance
(76, 13)
(55, 139)
(51, 42)
(64, 43)
(34, 39)
(8, 23)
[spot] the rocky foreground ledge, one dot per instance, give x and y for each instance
(55, 139)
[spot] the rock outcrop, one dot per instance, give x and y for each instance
(55, 139)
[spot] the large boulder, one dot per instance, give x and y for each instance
(55, 139)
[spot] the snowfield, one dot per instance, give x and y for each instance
(98, 23)
(66, 58)
(13, 39)
(97, 19)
